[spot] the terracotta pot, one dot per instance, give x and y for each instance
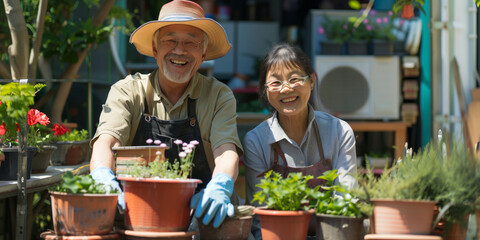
(407, 11)
(402, 216)
(283, 225)
(338, 227)
(41, 159)
(71, 152)
(129, 155)
(230, 229)
(157, 205)
(138, 235)
(83, 214)
(9, 166)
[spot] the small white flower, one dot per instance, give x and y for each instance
(194, 142)
(191, 146)
(163, 145)
(157, 142)
(178, 142)
(188, 150)
(182, 154)
(184, 144)
(159, 153)
(149, 141)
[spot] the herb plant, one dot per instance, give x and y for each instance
(78, 184)
(289, 194)
(327, 202)
(162, 167)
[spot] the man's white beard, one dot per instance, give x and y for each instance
(177, 78)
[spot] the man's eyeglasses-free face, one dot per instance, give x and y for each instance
(172, 42)
(294, 82)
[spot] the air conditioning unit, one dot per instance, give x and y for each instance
(358, 87)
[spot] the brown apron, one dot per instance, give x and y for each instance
(316, 170)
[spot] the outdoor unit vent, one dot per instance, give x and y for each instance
(358, 87)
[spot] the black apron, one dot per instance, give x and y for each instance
(316, 170)
(167, 131)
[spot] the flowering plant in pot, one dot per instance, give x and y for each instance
(335, 33)
(339, 213)
(80, 206)
(286, 214)
(167, 208)
(73, 146)
(15, 112)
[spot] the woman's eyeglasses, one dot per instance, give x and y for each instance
(294, 82)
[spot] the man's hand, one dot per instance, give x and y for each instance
(216, 199)
(105, 175)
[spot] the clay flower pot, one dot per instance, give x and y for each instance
(278, 225)
(71, 152)
(402, 216)
(83, 214)
(41, 159)
(129, 155)
(232, 228)
(157, 205)
(338, 227)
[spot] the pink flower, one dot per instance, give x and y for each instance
(182, 154)
(368, 27)
(194, 142)
(365, 20)
(321, 30)
(163, 145)
(157, 142)
(149, 141)
(178, 142)
(378, 20)
(390, 13)
(385, 19)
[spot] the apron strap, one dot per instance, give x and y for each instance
(319, 140)
(276, 152)
(192, 112)
(149, 96)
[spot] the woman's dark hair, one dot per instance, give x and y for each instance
(281, 55)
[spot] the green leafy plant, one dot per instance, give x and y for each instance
(328, 202)
(162, 168)
(279, 193)
(78, 184)
(335, 30)
(362, 32)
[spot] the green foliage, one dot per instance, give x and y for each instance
(15, 102)
(327, 202)
(81, 184)
(399, 4)
(73, 136)
(335, 30)
(279, 193)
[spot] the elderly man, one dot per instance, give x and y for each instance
(175, 102)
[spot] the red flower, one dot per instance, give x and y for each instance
(35, 116)
(2, 128)
(59, 129)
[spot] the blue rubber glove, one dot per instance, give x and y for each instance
(105, 175)
(216, 198)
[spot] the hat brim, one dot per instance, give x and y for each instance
(218, 44)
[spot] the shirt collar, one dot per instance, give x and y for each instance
(191, 91)
(277, 131)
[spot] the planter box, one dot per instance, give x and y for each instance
(382, 47)
(230, 229)
(339, 227)
(9, 166)
(71, 153)
(357, 48)
(332, 48)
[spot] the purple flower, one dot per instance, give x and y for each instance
(345, 26)
(368, 27)
(178, 142)
(149, 141)
(157, 142)
(373, 12)
(321, 30)
(182, 154)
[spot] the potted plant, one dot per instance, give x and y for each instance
(383, 37)
(236, 227)
(73, 146)
(359, 37)
(167, 209)
(15, 102)
(335, 32)
(286, 214)
(337, 216)
(82, 207)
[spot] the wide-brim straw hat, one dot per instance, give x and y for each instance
(186, 13)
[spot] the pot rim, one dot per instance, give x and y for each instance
(84, 194)
(384, 200)
(157, 180)
(15, 149)
(337, 216)
(138, 147)
(70, 142)
(272, 212)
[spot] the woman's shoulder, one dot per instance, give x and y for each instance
(329, 119)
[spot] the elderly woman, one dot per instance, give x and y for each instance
(296, 138)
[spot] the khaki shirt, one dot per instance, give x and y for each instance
(215, 109)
